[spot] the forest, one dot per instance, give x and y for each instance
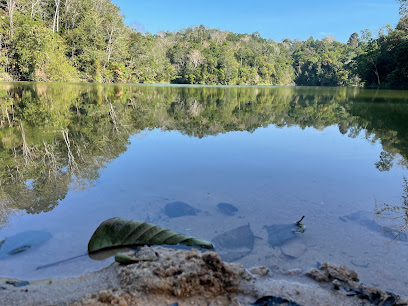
(88, 41)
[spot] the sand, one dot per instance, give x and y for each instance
(191, 277)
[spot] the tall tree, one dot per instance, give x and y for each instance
(55, 23)
(11, 6)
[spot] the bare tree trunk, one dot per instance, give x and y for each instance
(72, 165)
(33, 5)
(109, 47)
(11, 5)
(51, 164)
(377, 74)
(114, 31)
(113, 116)
(8, 117)
(55, 25)
(67, 7)
(26, 150)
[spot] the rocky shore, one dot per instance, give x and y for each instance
(190, 277)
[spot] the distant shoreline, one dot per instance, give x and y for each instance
(199, 85)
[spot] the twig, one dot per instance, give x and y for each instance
(297, 223)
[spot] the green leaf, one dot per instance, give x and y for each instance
(121, 232)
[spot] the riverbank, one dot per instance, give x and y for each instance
(192, 277)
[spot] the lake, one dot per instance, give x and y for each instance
(74, 155)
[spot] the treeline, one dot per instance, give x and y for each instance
(87, 40)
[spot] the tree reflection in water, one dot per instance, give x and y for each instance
(58, 136)
(395, 215)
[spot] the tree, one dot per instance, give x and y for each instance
(114, 29)
(369, 63)
(39, 54)
(33, 5)
(354, 40)
(228, 66)
(55, 23)
(403, 6)
(11, 6)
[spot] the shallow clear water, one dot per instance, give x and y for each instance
(275, 153)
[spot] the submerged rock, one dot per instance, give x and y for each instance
(22, 242)
(179, 209)
(366, 219)
(395, 234)
(279, 234)
(227, 209)
(293, 249)
(273, 300)
(360, 263)
(235, 243)
(17, 283)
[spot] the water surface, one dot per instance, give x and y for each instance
(74, 155)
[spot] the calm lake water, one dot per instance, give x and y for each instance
(74, 155)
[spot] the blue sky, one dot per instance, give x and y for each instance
(272, 19)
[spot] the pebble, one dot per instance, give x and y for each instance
(179, 209)
(227, 209)
(260, 271)
(293, 249)
(294, 272)
(360, 263)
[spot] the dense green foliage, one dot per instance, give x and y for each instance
(87, 40)
(384, 60)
